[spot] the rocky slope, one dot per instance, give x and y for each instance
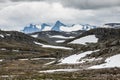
(55, 37)
(91, 55)
(107, 44)
(97, 59)
(102, 33)
(20, 45)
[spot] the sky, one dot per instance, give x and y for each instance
(16, 14)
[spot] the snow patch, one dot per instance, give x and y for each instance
(63, 37)
(55, 47)
(15, 50)
(42, 58)
(37, 59)
(35, 36)
(47, 28)
(51, 46)
(60, 41)
(8, 34)
(23, 59)
(84, 40)
(59, 70)
(1, 35)
(38, 26)
(3, 49)
(113, 61)
(1, 60)
(75, 59)
(73, 28)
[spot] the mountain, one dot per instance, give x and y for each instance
(45, 27)
(77, 27)
(14, 37)
(112, 25)
(13, 44)
(55, 37)
(58, 26)
(30, 29)
(87, 27)
(36, 28)
(20, 45)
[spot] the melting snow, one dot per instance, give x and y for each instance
(3, 49)
(8, 34)
(7, 76)
(23, 59)
(63, 37)
(75, 59)
(84, 40)
(60, 41)
(1, 60)
(51, 46)
(36, 59)
(47, 28)
(59, 70)
(35, 36)
(113, 61)
(38, 26)
(73, 28)
(42, 58)
(15, 50)
(1, 35)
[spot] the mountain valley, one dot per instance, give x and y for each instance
(49, 55)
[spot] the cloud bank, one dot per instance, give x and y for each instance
(81, 4)
(15, 14)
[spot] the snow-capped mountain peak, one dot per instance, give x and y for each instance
(57, 26)
(111, 25)
(45, 27)
(87, 27)
(76, 27)
(59, 23)
(30, 29)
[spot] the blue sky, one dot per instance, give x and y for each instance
(15, 14)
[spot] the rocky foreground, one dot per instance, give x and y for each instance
(92, 55)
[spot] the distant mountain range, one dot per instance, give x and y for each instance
(58, 26)
(111, 25)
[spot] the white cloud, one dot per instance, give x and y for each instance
(80, 4)
(18, 16)
(15, 17)
(91, 4)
